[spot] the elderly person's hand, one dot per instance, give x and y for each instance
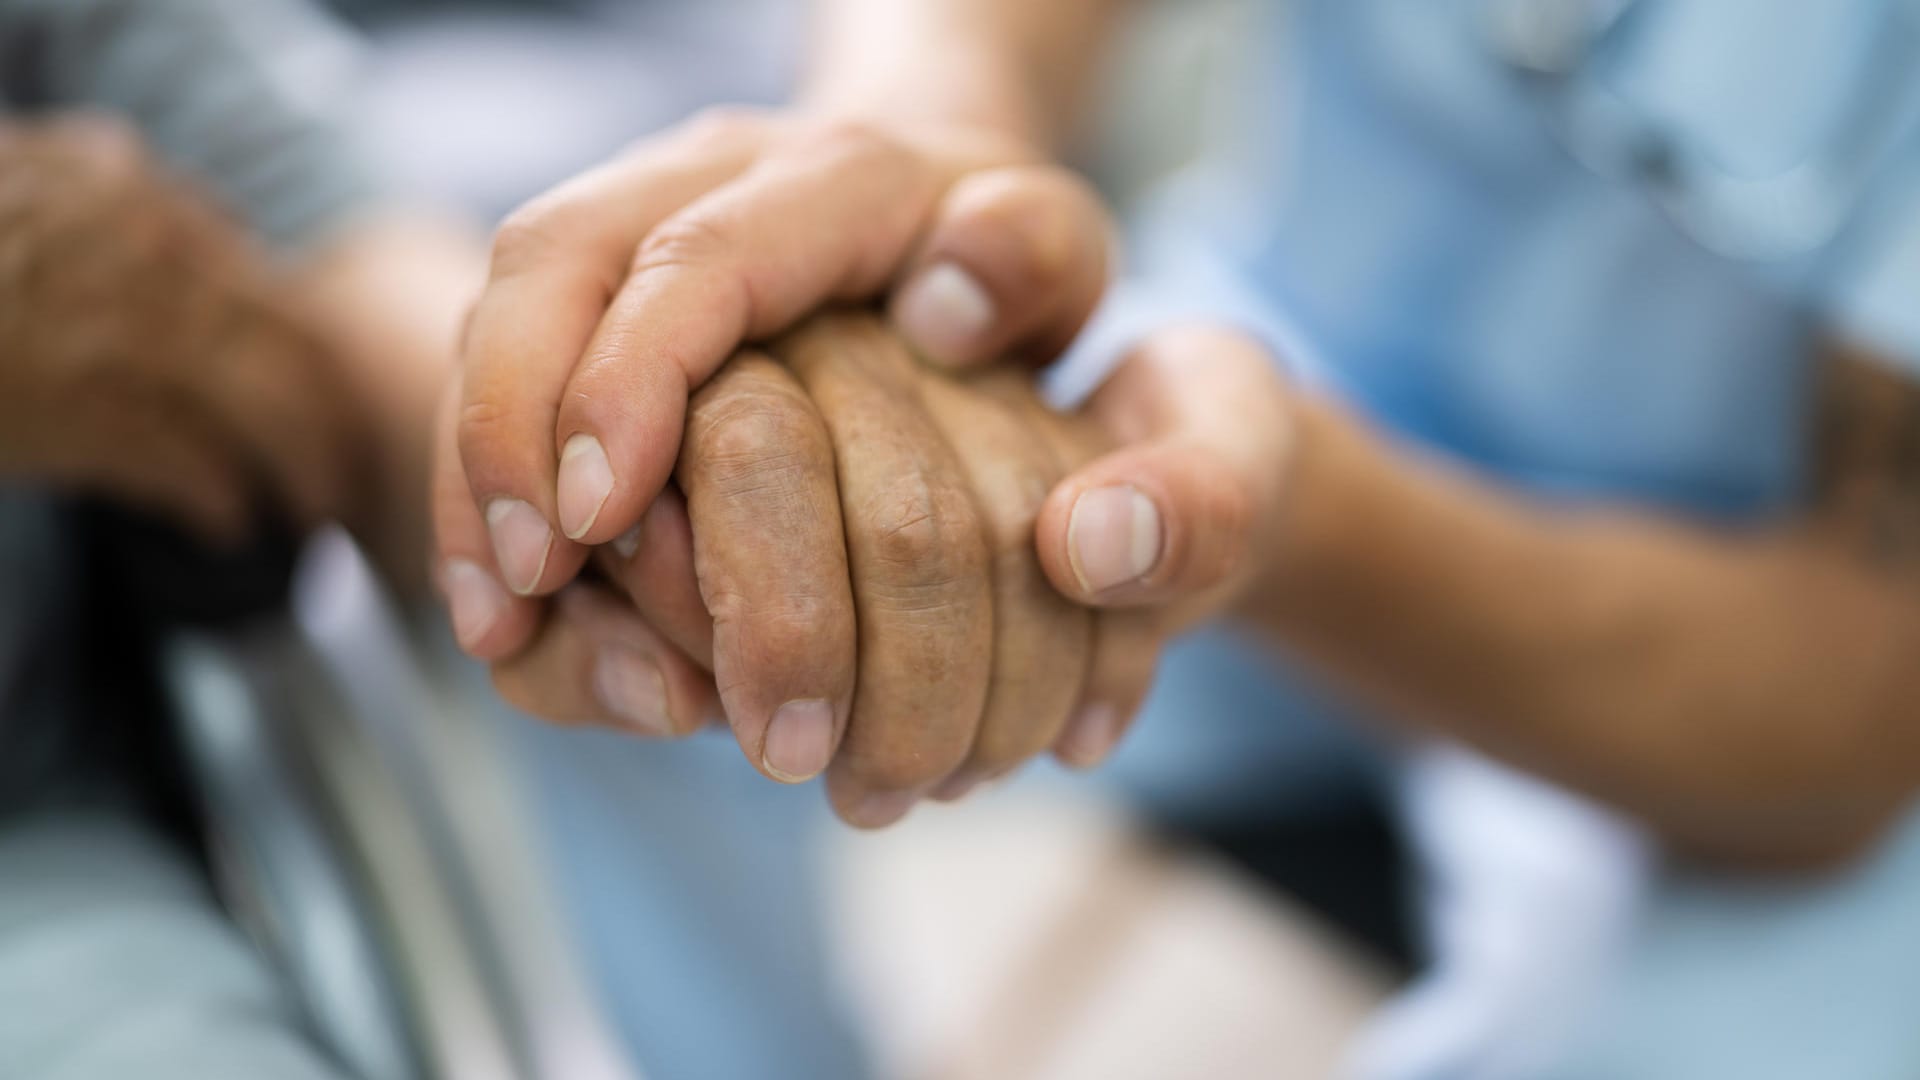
(855, 561)
(145, 357)
(894, 619)
(154, 354)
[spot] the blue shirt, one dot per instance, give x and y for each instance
(1609, 277)
(1591, 249)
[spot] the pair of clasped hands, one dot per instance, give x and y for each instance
(747, 430)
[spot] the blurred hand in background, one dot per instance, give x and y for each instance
(157, 355)
(153, 353)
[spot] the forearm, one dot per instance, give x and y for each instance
(1752, 697)
(389, 293)
(1012, 65)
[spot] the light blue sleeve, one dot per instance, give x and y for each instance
(1877, 302)
(1179, 275)
(116, 961)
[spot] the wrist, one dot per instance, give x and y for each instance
(978, 89)
(388, 293)
(1321, 521)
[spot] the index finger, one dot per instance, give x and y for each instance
(830, 220)
(557, 262)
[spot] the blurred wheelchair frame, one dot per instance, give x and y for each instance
(371, 838)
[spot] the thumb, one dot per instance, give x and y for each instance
(1184, 511)
(1015, 262)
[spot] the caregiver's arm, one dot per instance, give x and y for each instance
(1756, 696)
(1014, 65)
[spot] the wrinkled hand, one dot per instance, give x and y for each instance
(616, 296)
(145, 356)
(866, 571)
(866, 553)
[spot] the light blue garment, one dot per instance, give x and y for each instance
(1768, 981)
(1463, 251)
(117, 961)
(694, 888)
(1415, 213)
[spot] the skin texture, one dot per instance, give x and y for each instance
(859, 529)
(614, 298)
(1750, 694)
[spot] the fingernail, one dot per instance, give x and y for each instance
(630, 687)
(1113, 538)
(586, 479)
(799, 741)
(880, 810)
(627, 544)
(944, 311)
(522, 540)
(1089, 736)
(474, 600)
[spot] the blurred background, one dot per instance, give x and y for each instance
(447, 889)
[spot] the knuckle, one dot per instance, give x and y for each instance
(922, 531)
(1048, 213)
(723, 127)
(530, 235)
(742, 436)
(485, 425)
(844, 137)
(685, 239)
(855, 149)
(480, 418)
(791, 632)
(725, 599)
